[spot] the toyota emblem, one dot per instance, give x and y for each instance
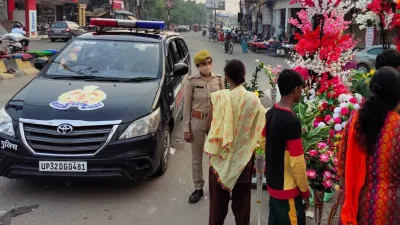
(65, 129)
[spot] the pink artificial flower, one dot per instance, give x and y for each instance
(313, 152)
(316, 123)
(324, 158)
(279, 67)
(311, 174)
(330, 153)
(327, 174)
(337, 120)
(353, 100)
(328, 118)
(327, 183)
(322, 145)
(335, 161)
(353, 111)
(275, 71)
(344, 111)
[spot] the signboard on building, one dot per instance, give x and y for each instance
(32, 23)
(117, 4)
(215, 4)
(369, 37)
(168, 4)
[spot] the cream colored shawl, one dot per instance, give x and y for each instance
(237, 123)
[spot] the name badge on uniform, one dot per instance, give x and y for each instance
(200, 87)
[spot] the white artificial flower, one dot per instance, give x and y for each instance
(348, 97)
(337, 110)
(336, 115)
(321, 124)
(358, 97)
(356, 106)
(338, 127)
(342, 98)
(312, 92)
(344, 124)
(257, 61)
(344, 105)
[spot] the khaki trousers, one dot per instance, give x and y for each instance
(198, 128)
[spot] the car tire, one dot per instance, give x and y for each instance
(164, 158)
(53, 40)
(72, 37)
(363, 68)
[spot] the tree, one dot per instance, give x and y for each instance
(183, 12)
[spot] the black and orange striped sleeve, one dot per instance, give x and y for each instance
(297, 162)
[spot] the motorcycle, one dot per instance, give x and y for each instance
(229, 47)
(204, 32)
(213, 36)
(15, 44)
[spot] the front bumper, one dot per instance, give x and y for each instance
(123, 160)
(60, 36)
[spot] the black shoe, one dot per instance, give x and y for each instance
(195, 197)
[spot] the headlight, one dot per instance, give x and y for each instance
(143, 126)
(6, 125)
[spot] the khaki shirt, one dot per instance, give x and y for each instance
(197, 95)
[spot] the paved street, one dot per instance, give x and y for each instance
(161, 201)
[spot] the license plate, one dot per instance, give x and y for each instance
(64, 166)
(57, 31)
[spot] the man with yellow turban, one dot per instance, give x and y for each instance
(198, 88)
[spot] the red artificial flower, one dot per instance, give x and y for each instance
(328, 118)
(344, 111)
(337, 120)
(353, 100)
(324, 105)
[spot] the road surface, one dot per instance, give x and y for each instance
(161, 201)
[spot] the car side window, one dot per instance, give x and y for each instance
(175, 52)
(375, 51)
(184, 48)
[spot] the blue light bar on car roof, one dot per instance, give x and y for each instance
(141, 24)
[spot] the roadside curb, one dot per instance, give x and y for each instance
(22, 64)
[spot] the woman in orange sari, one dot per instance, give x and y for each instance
(369, 157)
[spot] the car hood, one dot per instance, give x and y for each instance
(46, 99)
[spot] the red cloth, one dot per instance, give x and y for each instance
(355, 172)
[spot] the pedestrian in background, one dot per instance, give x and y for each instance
(243, 42)
(285, 164)
(196, 105)
(235, 121)
(369, 156)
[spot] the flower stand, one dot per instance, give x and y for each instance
(260, 181)
(318, 206)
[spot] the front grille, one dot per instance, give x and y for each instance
(45, 139)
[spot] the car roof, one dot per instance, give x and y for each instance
(127, 35)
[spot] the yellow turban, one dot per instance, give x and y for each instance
(201, 56)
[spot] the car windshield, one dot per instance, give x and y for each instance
(108, 59)
(59, 25)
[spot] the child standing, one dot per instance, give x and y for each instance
(285, 164)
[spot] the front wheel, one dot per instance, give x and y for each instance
(164, 158)
(364, 68)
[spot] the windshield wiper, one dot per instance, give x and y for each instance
(135, 79)
(75, 77)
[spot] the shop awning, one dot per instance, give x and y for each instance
(126, 12)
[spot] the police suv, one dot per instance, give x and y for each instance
(103, 107)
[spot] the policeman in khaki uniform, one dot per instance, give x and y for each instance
(196, 105)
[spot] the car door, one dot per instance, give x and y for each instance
(372, 53)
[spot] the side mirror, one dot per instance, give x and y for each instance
(40, 64)
(180, 69)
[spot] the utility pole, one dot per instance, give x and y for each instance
(138, 9)
(112, 9)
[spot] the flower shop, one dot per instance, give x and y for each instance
(324, 56)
